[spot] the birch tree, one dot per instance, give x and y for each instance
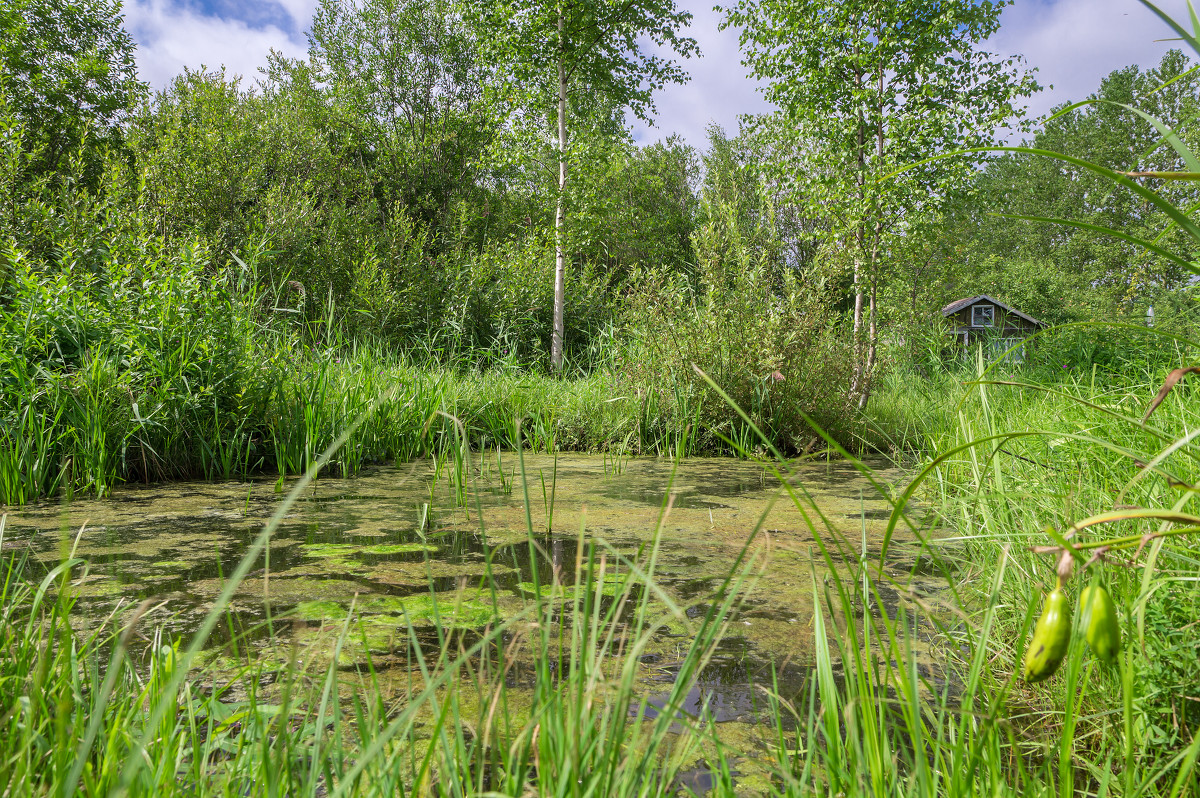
(878, 84)
(554, 58)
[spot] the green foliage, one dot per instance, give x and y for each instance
(1088, 274)
(863, 89)
(408, 85)
(260, 173)
(1015, 461)
(873, 86)
(1168, 715)
(752, 325)
(578, 67)
(499, 301)
(1073, 270)
(110, 366)
(635, 207)
(254, 172)
(93, 712)
(600, 44)
(68, 70)
(396, 271)
(360, 182)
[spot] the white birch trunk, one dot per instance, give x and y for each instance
(560, 256)
(856, 381)
(872, 345)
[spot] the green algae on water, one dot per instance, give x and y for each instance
(418, 574)
(346, 550)
(462, 610)
(612, 585)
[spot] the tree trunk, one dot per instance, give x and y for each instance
(560, 256)
(856, 381)
(872, 343)
(856, 336)
(872, 346)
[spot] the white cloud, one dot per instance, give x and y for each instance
(1075, 43)
(719, 90)
(171, 37)
(301, 10)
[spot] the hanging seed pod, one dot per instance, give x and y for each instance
(1051, 637)
(1103, 631)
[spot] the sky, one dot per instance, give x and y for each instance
(1072, 43)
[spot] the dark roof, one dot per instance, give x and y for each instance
(956, 306)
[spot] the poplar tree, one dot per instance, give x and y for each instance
(407, 75)
(68, 73)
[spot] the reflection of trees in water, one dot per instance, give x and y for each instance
(735, 684)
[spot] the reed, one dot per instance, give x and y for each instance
(87, 712)
(1018, 466)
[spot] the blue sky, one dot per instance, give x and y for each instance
(1073, 43)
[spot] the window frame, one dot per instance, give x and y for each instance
(991, 316)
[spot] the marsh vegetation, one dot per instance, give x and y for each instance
(396, 424)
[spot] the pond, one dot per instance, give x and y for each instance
(414, 549)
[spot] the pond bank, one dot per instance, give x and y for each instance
(90, 428)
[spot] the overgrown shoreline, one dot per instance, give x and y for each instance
(86, 431)
(164, 367)
(997, 504)
(177, 370)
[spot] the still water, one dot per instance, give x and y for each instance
(401, 543)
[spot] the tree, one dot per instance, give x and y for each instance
(865, 87)
(407, 75)
(67, 67)
(1105, 273)
(635, 207)
(736, 172)
(559, 59)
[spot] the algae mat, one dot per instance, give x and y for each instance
(400, 546)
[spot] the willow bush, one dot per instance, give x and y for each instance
(754, 327)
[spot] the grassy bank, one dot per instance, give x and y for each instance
(190, 372)
(157, 364)
(87, 429)
(1012, 463)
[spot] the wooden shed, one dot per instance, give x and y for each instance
(982, 318)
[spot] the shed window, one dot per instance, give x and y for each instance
(983, 316)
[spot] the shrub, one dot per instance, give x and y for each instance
(754, 327)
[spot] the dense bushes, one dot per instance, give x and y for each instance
(285, 175)
(750, 324)
(113, 367)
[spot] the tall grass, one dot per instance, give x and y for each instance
(165, 367)
(170, 368)
(93, 712)
(1015, 464)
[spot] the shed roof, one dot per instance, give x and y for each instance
(957, 305)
